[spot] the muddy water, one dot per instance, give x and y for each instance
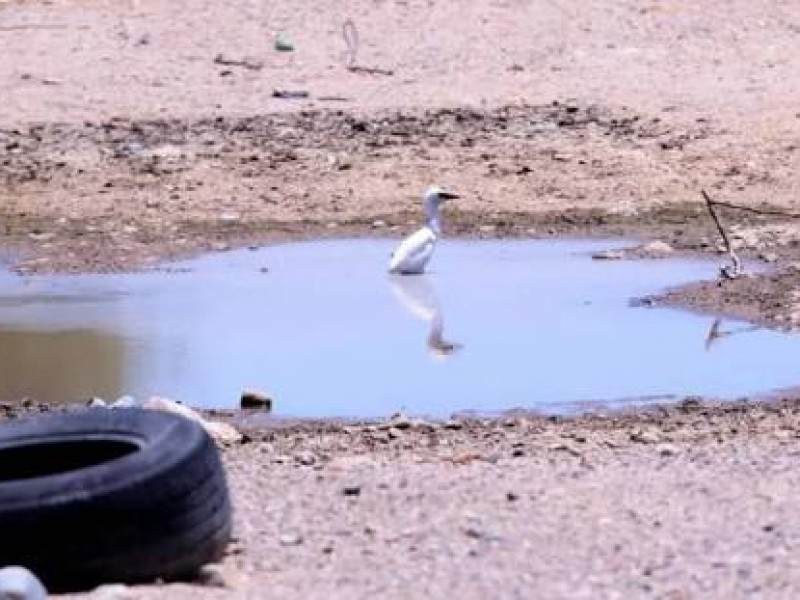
(324, 329)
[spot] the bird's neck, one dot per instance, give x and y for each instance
(433, 219)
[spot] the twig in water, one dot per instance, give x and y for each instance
(733, 270)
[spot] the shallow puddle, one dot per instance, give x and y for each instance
(327, 332)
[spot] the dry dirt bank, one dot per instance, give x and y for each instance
(696, 500)
(124, 193)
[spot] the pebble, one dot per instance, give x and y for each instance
(18, 583)
(291, 538)
(609, 255)
(230, 217)
(305, 458)
(657, 248)
(394, 433)
(568, 448)
(255, 399)
(667, 449)
(378, 223)
(351, 490)
(112, 591)
(397, 421)
(645, 437)
(212, 576)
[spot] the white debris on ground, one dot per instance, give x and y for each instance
(18, 583)
(221, 432)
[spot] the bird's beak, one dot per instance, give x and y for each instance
(448, 195)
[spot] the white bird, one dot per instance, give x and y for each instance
(414, 252)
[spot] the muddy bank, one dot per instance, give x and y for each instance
(126, 193)
(691, 500)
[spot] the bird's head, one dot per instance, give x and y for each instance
(436, 194)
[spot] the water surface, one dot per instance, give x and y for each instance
(327, 332)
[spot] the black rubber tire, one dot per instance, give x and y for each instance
(110, 495)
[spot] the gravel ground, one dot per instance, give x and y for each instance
(693, 501)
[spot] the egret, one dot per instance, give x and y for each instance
(414, 252)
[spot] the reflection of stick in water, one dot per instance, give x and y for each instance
(418, 298)
(715, 334)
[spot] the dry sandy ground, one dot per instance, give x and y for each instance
(139, 130)
(695, 501)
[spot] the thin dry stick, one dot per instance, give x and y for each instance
(350, 34)
(758, 211)
(729, 271)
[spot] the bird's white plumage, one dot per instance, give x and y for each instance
(414, 252)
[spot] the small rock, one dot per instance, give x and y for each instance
(112, 591)
(291, 538)
(125, 402)
(475, 532)
(351, 490)
(394, 433)
(399, 421)
(453, 425)
(152, 203)
(667, 449)
(657, 248)
(255, 399)
(645, 437)
(305, 458)
(769, 257)
(97, 403)
(283, 43)
(608, 255)
(230, 218)
(568, 448)
(18, 583)
(378, 223)
(211, 576)
(512, 496)
(222, 433)
(41, 237)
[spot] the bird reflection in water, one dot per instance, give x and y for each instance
(417, 296)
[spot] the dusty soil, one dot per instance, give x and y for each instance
(696, 500)
(133, 132)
